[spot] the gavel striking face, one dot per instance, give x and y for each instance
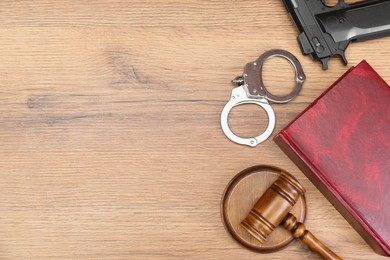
(273, 208)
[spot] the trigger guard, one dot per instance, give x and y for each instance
(239, 98)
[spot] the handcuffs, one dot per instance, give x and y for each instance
(251, 90)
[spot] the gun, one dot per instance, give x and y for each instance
(326, 31)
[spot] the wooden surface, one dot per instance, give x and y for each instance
(111, 145)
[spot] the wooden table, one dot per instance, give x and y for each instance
(111, 145)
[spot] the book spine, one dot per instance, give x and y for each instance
(345, 210)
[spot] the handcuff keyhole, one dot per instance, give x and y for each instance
(278, 76)
(247, 120)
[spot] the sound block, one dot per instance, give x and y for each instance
(241, 194)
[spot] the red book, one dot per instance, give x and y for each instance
(342, 144)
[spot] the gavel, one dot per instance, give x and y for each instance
(273, 209)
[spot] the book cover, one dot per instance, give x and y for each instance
(342, 144)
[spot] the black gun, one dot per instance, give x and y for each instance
(325, 31)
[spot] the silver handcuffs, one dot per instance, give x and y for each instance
(251, 90)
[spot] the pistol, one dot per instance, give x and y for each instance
(326, 31)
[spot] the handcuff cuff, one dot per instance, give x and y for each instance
(251, 90)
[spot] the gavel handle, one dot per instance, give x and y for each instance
(298, 230)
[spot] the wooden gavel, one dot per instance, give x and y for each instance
(273, 208)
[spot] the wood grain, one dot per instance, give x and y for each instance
(111, 146)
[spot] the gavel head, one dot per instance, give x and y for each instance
(272, 207)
